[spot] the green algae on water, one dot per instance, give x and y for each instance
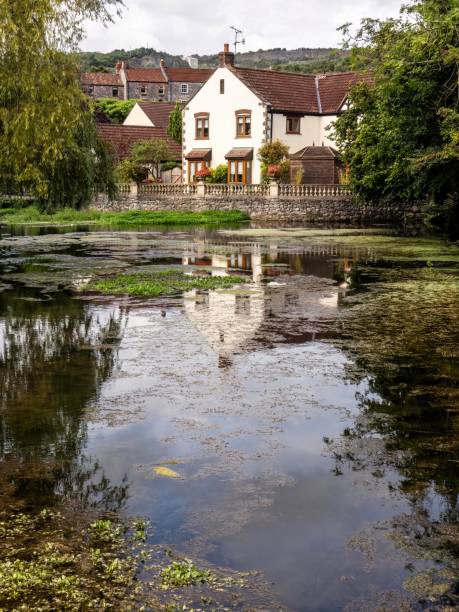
(155, 284)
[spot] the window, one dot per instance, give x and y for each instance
(184, 88)
(193, 167)
(243, 123)
(115, 92)
(90, 90)
(222, 86)
(240, 171)
(161, 90)
(143, 90)
(202, 126)
(293, 125)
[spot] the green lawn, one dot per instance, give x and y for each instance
(69, 216)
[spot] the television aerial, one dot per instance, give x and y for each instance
(237, 41)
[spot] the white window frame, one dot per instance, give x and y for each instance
(184, 88)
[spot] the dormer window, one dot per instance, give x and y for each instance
(243, 123)
(184, 88)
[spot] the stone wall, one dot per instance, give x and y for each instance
(312, 210)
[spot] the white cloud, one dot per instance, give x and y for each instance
(202, 26)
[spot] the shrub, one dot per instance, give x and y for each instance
(219, 174)
(274, 153)
(129, 171)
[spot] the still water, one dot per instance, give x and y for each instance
(312, 414)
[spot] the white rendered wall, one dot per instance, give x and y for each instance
(309, 132)
(325, 135)
(222, 120)
(138, 117)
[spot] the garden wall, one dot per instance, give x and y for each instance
(264, 208)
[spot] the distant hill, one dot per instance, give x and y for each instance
(296, 60)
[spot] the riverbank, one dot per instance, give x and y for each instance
(31, 215)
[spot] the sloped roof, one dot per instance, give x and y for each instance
(158, 112)
(240, 153)
(145, 75)
(334, 88)
(315, 153)
(189, 75)
(101, 78)
(284, 91)
(121, 138)
(300, 93)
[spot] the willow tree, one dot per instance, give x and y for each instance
(400, 136)
(48, 140)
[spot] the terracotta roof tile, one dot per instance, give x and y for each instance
(301, 93)
(145, 75)
(284, 91)
(100, 78)
(158, 112)
(121, 138)
(189, 75)
(335, 87)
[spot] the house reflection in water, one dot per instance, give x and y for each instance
(290, 295)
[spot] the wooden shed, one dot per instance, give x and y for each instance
(320, 166)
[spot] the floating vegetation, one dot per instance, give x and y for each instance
(70, 216)
(166, 282)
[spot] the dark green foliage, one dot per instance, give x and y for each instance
(401, 134)
(92, 61)
(174, 129)
(48, 142)
(129, 171)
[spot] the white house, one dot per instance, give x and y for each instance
(239, 109)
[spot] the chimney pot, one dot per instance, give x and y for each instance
(226, 57)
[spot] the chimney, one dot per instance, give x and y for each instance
(118, 67)
(163, 70)
(226, 57)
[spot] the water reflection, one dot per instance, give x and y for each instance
(54, 356)
(310, 414)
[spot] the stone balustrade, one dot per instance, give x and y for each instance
(202, 190)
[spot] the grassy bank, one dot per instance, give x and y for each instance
(31, 215)
(156, 284)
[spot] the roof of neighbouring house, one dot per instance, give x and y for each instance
(145, 75)
(121, 138)
(158, 112)
(300, 93)
(334, 89)
(189, 75)
(101, 78)
(315, 153)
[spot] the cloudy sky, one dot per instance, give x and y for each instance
(202, 26)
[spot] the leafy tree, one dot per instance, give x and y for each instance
(150, 153)
(274, 153)
(129, 171)
(116, 110)
(48, 143)
(401, 134)
(174, 129)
